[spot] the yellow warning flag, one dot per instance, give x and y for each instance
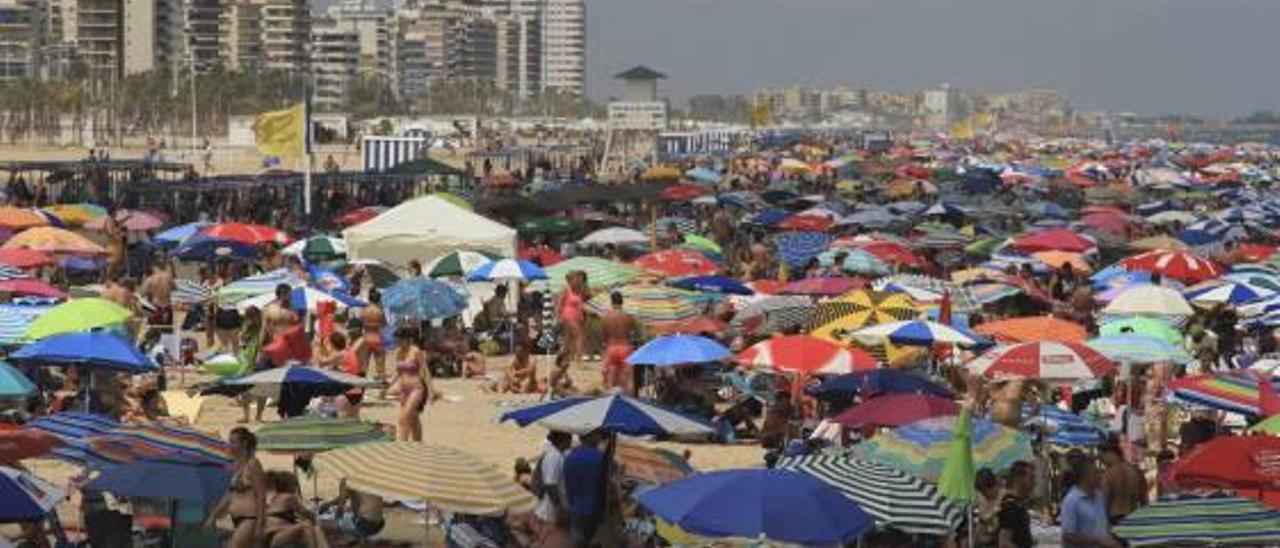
(961, 131)
(760, 115)
(981, 121)
(282, 133)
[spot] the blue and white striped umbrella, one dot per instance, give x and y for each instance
(1139, 349)
(797, 248)
(713, 284)
(257, 285)
(1063, 427)
(679, 350)
(1233, 293)
(506, 269)
(14, 320)
(304, 298)
(914, 333)
(614, 413)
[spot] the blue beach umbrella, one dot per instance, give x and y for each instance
(1139, 349)
(312, 380)
(164, 480)
(759, 504)
(614, 413)
(713, 284)
(13, 384)
(423, 298)
(174, 236)
(506, 269)
(916, 333)
(92, 349)
(24, 497)
(202, 247)
(797, 248)
(679, 350)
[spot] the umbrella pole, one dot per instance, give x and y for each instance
(173, 524)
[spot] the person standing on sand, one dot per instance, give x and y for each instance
(571, 309)
(618, 327)
(157, 289)
(412, 384)
(372, 349)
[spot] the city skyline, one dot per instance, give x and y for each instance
(1143, 56)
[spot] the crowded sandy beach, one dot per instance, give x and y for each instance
(817, 338)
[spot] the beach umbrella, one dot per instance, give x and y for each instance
(601, 273)
(1060, 239)
(206, 248)
(677, 263)
(76, 214)
(1152, 300)
(53, 240)
(170, 441)
(760, 504)
(894, 498)
(1060, 259)
(1044, 360)
(423, 299)
(317, 248)
(1210, 521)
(1063, 427)
(893, 410)
(774, 314)
(703, 175)
(505, 270)
(164, 480)
(292, 381)
(359, 215)
(1142, 325)
(650, 465)
(893, 253)
(26, 497)
(129, 220)
(858, 261)
(304, 298)
(1139, 349)
(700, 324)
(24, 258)
(797, 248)
(1230, 293)
(616, 235)
(14, 384)
(859, 309)
(1236, 391)
(75, 432)
(702, 243)
(679, 350)
(914, 333)
(16, 218)
(1160, 242)
(1031, 329)
(260, 284)
(713, 284)
(24, 443)
(822, 286)
(31, 288)
(449, 479)
(614, 413)
(805, 354)
(956, 481)
(316, 434)
(802, 222)
(876, 382)
(176, 235)
(93, 349)
(541, 255)
(1228, 462)
(654, 303)
(921, 448)
(246, 233)
(548, 225)
(679, 224)
(1179, 265)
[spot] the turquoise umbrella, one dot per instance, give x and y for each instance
(13, 384)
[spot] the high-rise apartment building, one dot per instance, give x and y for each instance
(21, 38)
(562, 35)
(335, 60)
(265, 34)
(519, 62)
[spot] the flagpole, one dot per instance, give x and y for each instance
(306, 150)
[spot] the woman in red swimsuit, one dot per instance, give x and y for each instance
(572, 312)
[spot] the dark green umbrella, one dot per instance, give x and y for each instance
(549, 225)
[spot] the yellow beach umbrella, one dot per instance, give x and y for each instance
(54, 240)
(835, 318)
(412, 471)
(16, 218)
(76, 214)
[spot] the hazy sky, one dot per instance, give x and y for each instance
(1209, 57)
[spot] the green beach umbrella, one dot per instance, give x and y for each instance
(75, 316)
(956, 481)
(457, 263)
(316, 434)
(1145, 326)
(601, 273)
(702, 243)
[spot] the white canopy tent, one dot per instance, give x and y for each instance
(425, 228)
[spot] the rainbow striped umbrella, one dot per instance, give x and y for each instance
(601, 273)
(655, 303)
(920, 448)
(411, 471)
(1214, 521)
(1235, 391)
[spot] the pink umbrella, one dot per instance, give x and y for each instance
(1058, 239)
(823, 286)
(24, 258)
(1044, 360)
(806, 354)
(36, 288)
(677, 263)
(129, 219)
(894, 410)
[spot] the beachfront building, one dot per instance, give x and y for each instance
(374, 28)
(941, 107)
(265, 34)
(335, 60)
(201, 28)
(21, 23)
(519, 55)
(560, 39)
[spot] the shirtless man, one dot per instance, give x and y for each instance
(360, 515)
(158, 290)
(121, 293)
(617, 327)
(279, 316)
(1006, 403)
(372, 349)
(1124, 484)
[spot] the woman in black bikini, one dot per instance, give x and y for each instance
(289, 523)
(245, 500)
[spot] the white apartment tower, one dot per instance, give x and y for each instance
(563, 37)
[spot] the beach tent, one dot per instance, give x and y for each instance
(426, 228)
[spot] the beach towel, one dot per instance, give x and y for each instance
(182, 405)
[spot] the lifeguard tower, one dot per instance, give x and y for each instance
(634, 122)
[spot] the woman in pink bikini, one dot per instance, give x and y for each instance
(572, 312)
(412, 384)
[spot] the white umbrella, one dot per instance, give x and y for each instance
(616, 236)
(1153, 300)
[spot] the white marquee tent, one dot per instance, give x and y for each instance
(425, 228)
